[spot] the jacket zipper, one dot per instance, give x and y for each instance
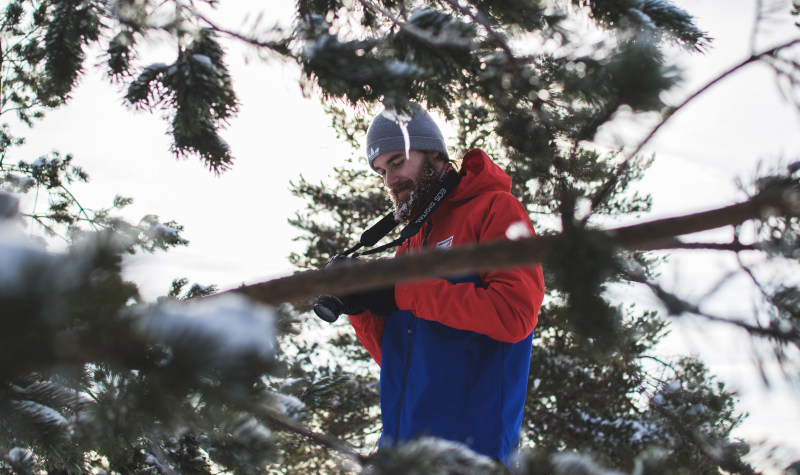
(403, 392)
(428, 228)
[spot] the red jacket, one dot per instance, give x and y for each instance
(506, 307)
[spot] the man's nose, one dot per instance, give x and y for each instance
(390, 179)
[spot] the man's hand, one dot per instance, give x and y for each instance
(380, 302)
(351, 305)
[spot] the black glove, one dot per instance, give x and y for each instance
(351, 305)
(380, 302)
(333, 306)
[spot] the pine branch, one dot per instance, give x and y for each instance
(779, 334)
(414, 31)
(481, 19)
(790, 63)
(162, 462)
(80, 208)
(753, 279)
(324, 440)
(653, 235)
(276, 47)
(49, 229)
(706, 450)
(606, 189)
(23, 107)
(714, 246)
(731, 274)
(666, 364)
(677, 306)
(711, 453)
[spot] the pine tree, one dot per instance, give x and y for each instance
(593, 387)
(94, 379)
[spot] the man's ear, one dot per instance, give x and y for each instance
(435, 156)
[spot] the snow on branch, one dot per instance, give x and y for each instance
(230, 326)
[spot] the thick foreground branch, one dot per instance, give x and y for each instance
(653, 235)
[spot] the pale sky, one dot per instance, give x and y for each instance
(237, 222)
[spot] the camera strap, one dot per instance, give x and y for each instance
(383, 227)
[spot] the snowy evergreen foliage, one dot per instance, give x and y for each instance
(196, 89)
(92, 379)
(432, 456)
(24, 63)
(67, 219)
(595, 386)
(72, 25)
(36, 78)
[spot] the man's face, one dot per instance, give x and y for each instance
(409, 180)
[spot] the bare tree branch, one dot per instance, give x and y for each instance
(653, 235)
(603, 192)
(277, 47)
(714, 246)
(677, 306)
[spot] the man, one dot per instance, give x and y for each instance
(455, 352)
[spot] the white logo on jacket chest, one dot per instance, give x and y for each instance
(446, 243)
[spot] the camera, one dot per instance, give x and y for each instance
(328, 308)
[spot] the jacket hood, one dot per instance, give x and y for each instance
(479, 174)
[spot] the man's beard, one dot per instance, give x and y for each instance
(422, 187)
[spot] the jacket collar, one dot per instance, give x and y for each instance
(479, 174)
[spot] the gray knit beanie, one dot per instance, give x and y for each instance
(384, 135)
